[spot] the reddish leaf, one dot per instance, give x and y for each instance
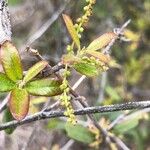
(69, 59)
(11, 61)
(102, 41)
(100, 56)
(19, 103)
(71, 30)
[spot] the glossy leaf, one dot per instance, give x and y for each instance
(19, 103)
(86, 68)
(44, 87)
(5, 83)
(79, 133)
(71, 30)
(34, 70)
(11, 61)
(102, 41)
(6, 118)
(100, 56)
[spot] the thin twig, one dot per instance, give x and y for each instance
(89, 110)
(135, 114)
(120, 143)
(67, 145)
(37, 124)
(102, 87)
(119, 31)
(4, 103)
(117, 120)
(95, 123)
(56, 104)
(75, 86)
(107, 51)
(46, 25)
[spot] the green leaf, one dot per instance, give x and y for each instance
(34, 70)
(112, 92)
(19, 103)
(79, 133)
(5, 83)
(11, 61)
(71, 30)
(102, 41)
(56, 124)
(126, 125)
(86, 68)
(44, 87)
(6, 118)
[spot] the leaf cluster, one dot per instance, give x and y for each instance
(21, 85)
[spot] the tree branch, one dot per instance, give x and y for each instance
(46, 25)
(88, 110)
(119, 32)
(5, 26)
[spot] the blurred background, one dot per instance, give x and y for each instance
(129, 80)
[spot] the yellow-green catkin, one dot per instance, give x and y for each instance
(69, 49)
(101, 66)
(88, 10)
(65, 98)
